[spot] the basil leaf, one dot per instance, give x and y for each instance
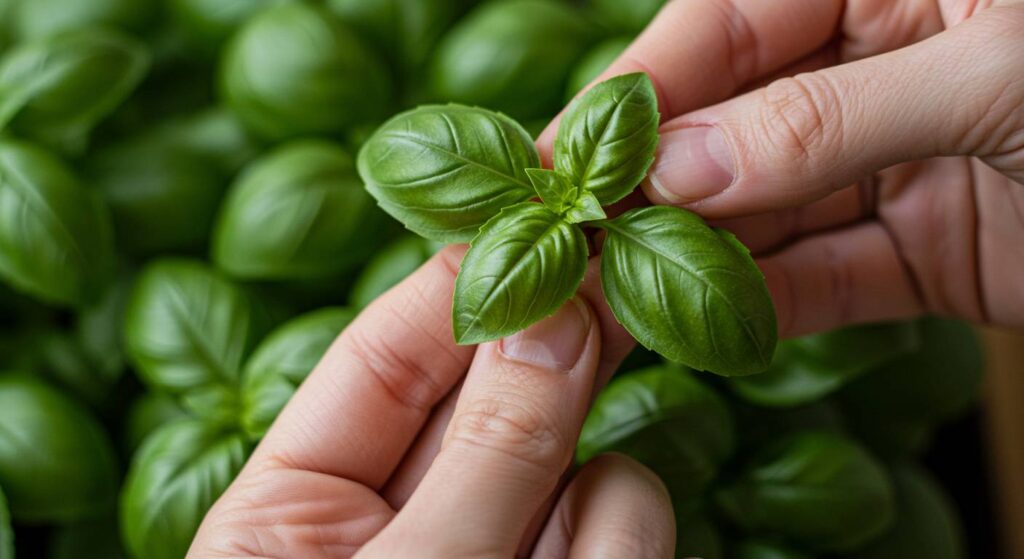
(294, 70)
(300, 212)
(554, 189)
(607, 138)
(176, 476)
(188, 328)
(55, 90)
(819, 490)
(56, 241)
(6, 532)
(690, 293)
(586, 208)
(443, 171)
(666, 419)
(389, 267)
(525, 264)
(283, 361)
(926, 521)
(809, 368)
(756, 549)
(56, 462)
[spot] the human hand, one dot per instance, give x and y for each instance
(385, 451)
(871, 93)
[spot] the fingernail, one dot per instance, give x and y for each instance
(692, 164)
(556, 342)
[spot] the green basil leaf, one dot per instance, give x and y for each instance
(188, 328)
(43, 18)
(147, 414)
(690, 293)
(512, 56)
(596, 61)
(757, 549)
(607, 138)
(895, 407)
(283, 361)
(56, 462)
(6, 532)
(95, 539)
(809, 368)
(443, 171)
(819, 490)
(299, 212)
(296, 70)
(666, 419)
(162, 198)
(389, 267)
(57, 89)
(174, 479)
(525, 264)
(554, 189)
(586, 208)
(56, 241)
(926, 521)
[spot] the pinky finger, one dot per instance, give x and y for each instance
(613, 508)
(848, 276)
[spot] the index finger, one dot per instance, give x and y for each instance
(700, 52)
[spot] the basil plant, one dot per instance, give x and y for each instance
(454, 173)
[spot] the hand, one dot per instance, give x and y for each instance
(871, 93)
(385, 451)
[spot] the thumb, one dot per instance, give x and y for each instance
(801, 138)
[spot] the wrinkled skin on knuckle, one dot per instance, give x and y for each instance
(801, 119)
(512, 426)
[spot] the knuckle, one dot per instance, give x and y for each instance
(510, 426)
(801, 116)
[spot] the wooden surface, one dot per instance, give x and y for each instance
(1004, 411)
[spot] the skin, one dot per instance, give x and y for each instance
(874, 155)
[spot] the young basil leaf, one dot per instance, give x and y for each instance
(6, 532)
(56, 462)
(55, 90)
(808, 368)
(926, 521)
(607, 138)
(299, 212)
(690, 293)
(586, 208)
(525, 264)
(443, 171)
(512, 56)
(56, 241)
(554, 189)
(819, 490)
(666, 419)
(757, 549)
(282, 361)
(176, 476)
(389, 267)
(295, 70)
(187, 328)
